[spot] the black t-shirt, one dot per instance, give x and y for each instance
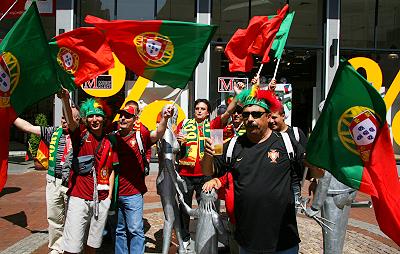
(264, 206)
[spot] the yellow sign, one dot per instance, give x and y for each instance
(118, 74)
(149, 114)
(135, 93)
(374, 75)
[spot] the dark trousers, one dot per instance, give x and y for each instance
(194, 183)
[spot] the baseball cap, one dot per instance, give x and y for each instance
(128, 109)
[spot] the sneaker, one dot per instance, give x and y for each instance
(186, 244)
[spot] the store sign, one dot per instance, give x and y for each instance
(100, 82)
(101, 86)
(45, 7)
(226, 84)
(374, 75)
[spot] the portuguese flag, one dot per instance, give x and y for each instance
(81, 55)
(166, 52)
(256, 39)
(27, 75)
(351, 140)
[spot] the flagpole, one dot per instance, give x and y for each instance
(259, 70)
(177, 96)
(9, 9)
(276, 68)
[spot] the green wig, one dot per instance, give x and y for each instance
(92, 106)
(255, 96)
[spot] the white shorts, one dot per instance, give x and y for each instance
(80, 222)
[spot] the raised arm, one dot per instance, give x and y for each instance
(232, 105)
(162, 126)
(26, 126)
(64, 96)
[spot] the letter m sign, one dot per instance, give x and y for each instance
(225, 84)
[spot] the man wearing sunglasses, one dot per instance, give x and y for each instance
(263, 202)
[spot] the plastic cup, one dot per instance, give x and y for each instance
(217, 139)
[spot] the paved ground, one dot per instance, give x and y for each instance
(23, 220)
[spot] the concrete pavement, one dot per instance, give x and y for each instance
(23, 219)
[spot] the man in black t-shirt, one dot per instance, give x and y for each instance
(264, 205)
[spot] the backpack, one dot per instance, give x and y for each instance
(297, 168)
(296, 133)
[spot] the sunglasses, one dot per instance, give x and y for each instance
(126, 115)
(254, 114)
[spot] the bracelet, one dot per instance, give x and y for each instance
(313, 180)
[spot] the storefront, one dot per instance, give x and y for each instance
(368, 28)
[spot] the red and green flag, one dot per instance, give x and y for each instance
(256, 39)
(281, 36)
(81, 55)
(27, 75)
(166, 52)
(351, 140)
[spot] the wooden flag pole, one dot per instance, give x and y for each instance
(176, 99)
(276, 68)
(9, 9)
(259, 70)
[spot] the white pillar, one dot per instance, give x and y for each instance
(202, 72)
(64, 23)
(331, 45)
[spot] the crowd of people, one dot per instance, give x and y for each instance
(92, 173)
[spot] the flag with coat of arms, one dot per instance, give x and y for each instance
(164, 51)
(81, 55)
(351, 140)
(27, 75)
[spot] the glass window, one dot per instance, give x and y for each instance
(229, 15)
(307, 24)
(103, 9)
(181, 10)
(388, 29)
(138, 9)
(357, 23)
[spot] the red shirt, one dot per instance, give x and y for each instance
(81, 186)
(131, 176)
(185, 170)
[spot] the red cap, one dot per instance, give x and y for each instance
(128, 109)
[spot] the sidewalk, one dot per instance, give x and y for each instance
(23, 220)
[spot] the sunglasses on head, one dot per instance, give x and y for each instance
(254, 114)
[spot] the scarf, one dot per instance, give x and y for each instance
(53, 146)
(103, 164)
(195, 134)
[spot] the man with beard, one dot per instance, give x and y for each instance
(261, 169)
(59, 142)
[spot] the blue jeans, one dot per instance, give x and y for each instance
(129, 232)
(293, 250)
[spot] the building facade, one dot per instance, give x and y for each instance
(367, 31)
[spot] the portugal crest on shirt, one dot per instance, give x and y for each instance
(273, 155)
(68, 60)
(154, 49)
(9, 77)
